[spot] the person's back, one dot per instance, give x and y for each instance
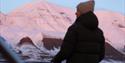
(84, 41)
(90, 42)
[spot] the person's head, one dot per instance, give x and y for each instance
(85, 7)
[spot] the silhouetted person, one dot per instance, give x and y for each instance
(84, 41)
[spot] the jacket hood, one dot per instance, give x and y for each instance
(88, 20)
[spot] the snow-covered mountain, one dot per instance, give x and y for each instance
(46, 24)
(113, 25)
(43, 19)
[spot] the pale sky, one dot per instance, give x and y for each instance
(7, 6)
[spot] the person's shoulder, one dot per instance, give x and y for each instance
(77, 27)
(74, 26)
(100, 30)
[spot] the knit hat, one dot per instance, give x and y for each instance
(84, 7)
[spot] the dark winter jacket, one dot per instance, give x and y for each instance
(83, 42)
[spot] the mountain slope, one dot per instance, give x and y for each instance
(2, 18)
(111, 23)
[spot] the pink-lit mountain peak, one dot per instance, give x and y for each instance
(46, 14)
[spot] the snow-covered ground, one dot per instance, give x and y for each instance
(37, 55)
(111, 61)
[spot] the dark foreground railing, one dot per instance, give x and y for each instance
(7, 52)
